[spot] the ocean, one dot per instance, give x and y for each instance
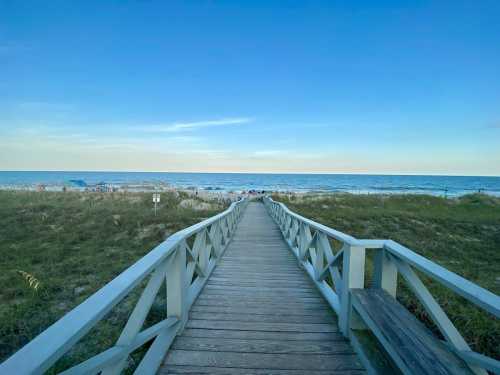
(353, 183)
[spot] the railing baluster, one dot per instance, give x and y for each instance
(319, 259)
(353, 276)
(295, 237)
(304, 241)
(177, 285)
(192, 259)
(385, 273)
(212, 243)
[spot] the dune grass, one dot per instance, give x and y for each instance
(59, 248)
(460, 234)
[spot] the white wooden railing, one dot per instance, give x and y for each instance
(336, 274)
(185, 270)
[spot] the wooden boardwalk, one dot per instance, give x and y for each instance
(259, 313)
(255, 311)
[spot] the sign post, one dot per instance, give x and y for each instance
(156, 200)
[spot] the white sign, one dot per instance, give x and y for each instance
(156, 197)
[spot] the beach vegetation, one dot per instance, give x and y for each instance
(59, 248)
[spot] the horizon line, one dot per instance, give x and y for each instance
(264, 173)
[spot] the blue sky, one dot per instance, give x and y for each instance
(262, 86)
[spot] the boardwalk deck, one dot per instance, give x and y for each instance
(259, 314)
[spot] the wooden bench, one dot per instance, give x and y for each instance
(413, 347)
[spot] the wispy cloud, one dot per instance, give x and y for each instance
(266, 153)
(190, 126)
(64, 138)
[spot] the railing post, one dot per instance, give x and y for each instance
(353, 275)
(319, 261)
(205, 248)
(177, 286)
(385, 273)
(302, 242)
(232, 223)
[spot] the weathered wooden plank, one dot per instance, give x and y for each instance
(268, 277)
(260, 326)
(256, 283)
(288, 265)
(264, 335)
(263, 295)
(255, 269)
(410, 343)
(249, 302)
(271, 286)
(253, 276)
(259, 288)
(264, 310)
(259, 291)
(255, 266)
(252, 268)
(261, 346)
(260, 256)
(250, 371)
(258, 252)
(263, 299)
(244, 272)
(263, 360)
(283, 306)
(251, 273)
(260, 283)
(265, 318)
(292, 268)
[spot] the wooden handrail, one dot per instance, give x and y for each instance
(317, 258)
(165, 261)
(474, 293)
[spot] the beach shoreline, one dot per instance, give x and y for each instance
(222, 184)
(219, 194)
